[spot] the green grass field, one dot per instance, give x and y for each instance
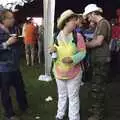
(37, 91)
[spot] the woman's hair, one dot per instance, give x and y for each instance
(3, 15)
(29, 21)
(67, 20)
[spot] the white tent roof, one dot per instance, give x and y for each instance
(11, 4)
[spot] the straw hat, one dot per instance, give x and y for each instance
(80, 14)
(65, 15)
(91, 8)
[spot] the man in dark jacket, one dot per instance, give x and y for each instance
(10, 74)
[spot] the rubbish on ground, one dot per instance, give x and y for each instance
(49, 99)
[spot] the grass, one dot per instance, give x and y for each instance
(37, 91)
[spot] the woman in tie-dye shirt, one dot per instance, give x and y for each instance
(67, 69)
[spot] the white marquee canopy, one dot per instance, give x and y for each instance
(11, 4)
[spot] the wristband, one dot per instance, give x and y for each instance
(5, 46)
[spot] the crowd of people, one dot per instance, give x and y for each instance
(115, 45)
(71, 45)
(33, 40)
(86, 43)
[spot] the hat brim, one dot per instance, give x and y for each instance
(79, 14)
(62, 19)
(88, 12)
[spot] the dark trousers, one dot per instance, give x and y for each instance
(99, 80)
(8, 79)
(115, 63)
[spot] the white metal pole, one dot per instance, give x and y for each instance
(49, 13)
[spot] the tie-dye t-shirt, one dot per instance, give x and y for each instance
(67, 48)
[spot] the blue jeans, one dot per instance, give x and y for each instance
(8, 79)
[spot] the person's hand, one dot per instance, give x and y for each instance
(87, 43)
(12, 40)
(67, 60)
(52, 49)
(117, 49)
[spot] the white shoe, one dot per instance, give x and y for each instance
(45, 78)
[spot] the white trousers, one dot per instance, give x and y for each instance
(68, 92)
